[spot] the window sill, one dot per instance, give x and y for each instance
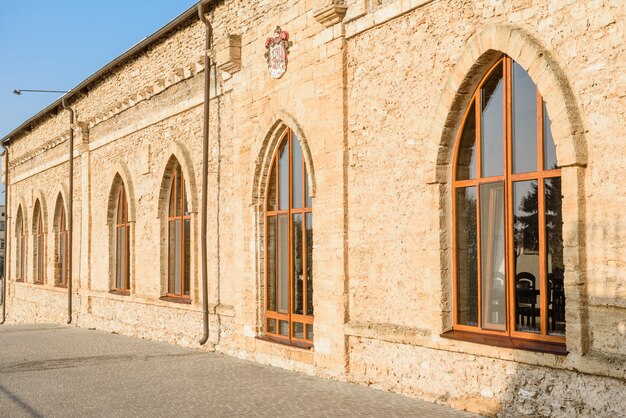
(296, 344)
(506, 342)
(61, 286)
(120, 292)
(186, 301)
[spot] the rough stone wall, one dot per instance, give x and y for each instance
(364, 97)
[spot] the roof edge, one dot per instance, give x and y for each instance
(182, 18)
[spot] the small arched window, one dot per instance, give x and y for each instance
(39, 245)
(508, 247)
(289, 245)
(20, 248)
(61, 248)
(122, 239)
(179, 237)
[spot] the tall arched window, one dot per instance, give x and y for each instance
(20, 248)
(508, 247)
(179, 237)
(122, 238)
(61, 248)
(39, 245)
(289, 246)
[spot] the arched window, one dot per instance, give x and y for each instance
(61, 248)
(122, 239)
(20, 248)
(289, 246)
(508, 247)
(179, 236)
(39, 245)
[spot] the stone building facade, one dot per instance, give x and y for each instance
(375, 93)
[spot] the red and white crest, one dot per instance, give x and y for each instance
(276, 54)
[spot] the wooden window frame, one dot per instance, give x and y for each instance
(172, 217)
(62, 233)
(21, 247)
(122, 223)
(289, 317)
(40, 242)
(509, 337)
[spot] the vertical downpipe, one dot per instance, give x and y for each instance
(70, 212)
(205, 169)
(6, 242)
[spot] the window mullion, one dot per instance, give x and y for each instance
(508, 218)
(290, 235)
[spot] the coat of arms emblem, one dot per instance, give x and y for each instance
(276, 54)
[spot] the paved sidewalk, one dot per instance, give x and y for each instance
(53, 371)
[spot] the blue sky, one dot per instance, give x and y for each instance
(55, 45)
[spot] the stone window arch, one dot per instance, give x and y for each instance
(20, 247)
(39, 244)
(508, 266)
(61, 246)
(288, 244)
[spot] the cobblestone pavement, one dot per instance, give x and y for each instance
(53, 371)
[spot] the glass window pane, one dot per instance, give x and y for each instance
(283, 176)
(62, 260)
(549, 148)
(179, 191)
(296, 170)
(120, 259)
(466, 257)
(271, 325)
(297, 264)
(172, 267)
(127, 251)
(309, 263)
(283, 263)
(41, 259)
(309, 203)
(492, 126)
(466, 160)
(309, 332)
(283, 328)
(172, 207)
(271, 263)
(187, 254)
(554, 258)
(492, 256)
(271, 191)
(526, 256)
(178, 257)
(298, 330)
(524, 120)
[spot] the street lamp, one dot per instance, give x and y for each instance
(19, 92)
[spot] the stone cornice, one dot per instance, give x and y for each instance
(147, 92)
(50, 144)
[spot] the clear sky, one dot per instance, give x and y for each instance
(55, 45)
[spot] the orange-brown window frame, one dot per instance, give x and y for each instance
(121, 223)
(173, 216)
(40, 241)
(21, 246)
(527, 340)
(62, 236)
(290, 317)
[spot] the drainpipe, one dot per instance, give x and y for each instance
(205, 160)
(70, 202)
(6, 242)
